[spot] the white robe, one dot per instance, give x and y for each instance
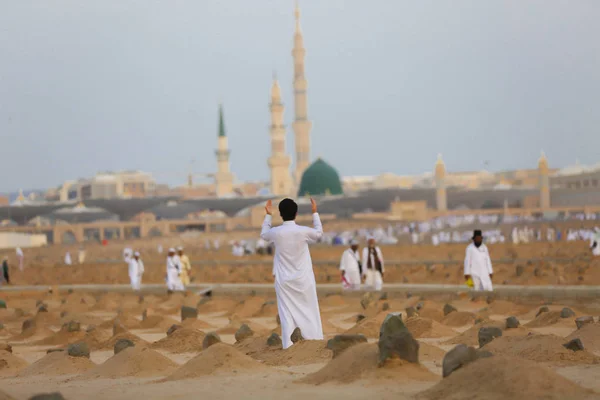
(373, 278)
(68, 258)
(349, 264)
(136, 268)
(595, 239)
(173, 281)
(295, 284)
(479, 266)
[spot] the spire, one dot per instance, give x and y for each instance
(543, 156)
(221, 121)
(297, 15)
(275, 90)
(439, 159)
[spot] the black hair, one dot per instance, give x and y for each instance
(288, 209)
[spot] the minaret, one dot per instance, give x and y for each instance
(440, 184)
(279, 162)
(301, 125)
(223, 177)
(544, 182)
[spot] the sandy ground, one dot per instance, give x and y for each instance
(176, 367)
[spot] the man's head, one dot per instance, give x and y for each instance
(354, 245)
(288, 209)
(371, 242)
(477, 238)
(180, 250)
(136, 255)
(171, 252)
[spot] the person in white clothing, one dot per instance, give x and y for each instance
(350, 267)
(595, 242)
(20, 257)
(173, 268)
(68, 260)
(127, 254)
(295, 284)
(136, 269)
(478, 265)
(373, 265)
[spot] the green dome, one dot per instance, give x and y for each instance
(318, 179)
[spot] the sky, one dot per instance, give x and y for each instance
(88, 86)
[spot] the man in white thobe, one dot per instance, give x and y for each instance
(595, 242)
(295, 284)
(136, 269)
(173, 270)
(350, 267)
(372, 265)
(68, 260)
(20, 257)
(478, 265)
(127, 254)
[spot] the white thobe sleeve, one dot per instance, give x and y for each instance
(343, 261)
(468, 261)
(365, 260)
(265, 232)
(141, 267)
(316, 233)
(380, 255)
(489, 262)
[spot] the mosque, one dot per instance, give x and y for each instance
(306, 179)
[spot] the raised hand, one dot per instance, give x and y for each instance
(313, 205)
(269, 207)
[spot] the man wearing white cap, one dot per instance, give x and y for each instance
(136, 269)
(173, 271)
(186, 267)
(350, 267)
(372, 264)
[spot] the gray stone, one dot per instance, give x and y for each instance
(581, 321)
(63, 314)
(2, 304)
(537, 272)
(359, 318)
(448, 309)
(419, 306)
(80, 349)
(28, 324)
(48, 396)
(172, 329)
(542, 310)
(54, 351)
(71, 326)
(395, 340)
(42, 308)
(243, 333)
(38, 303)
(91, 328)
(457, 358)
(575, 345)
(274, 340)
(210, 339)
(512, 323)
(487, 334)
(122, 344)
(484, 353)
(339, 343)
(366, 300)
(384, 296)
(519, 270)
(385, 307)
(296, 336)
(188, 312)
(567, 313)
(411, 312)
(408, 295)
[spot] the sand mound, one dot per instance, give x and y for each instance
(217, 359)
(589, 335)
(58, 363)
(459, 318)
(183, 340)
(369, 326)
(158, 322)
(133, 361)
(249, 307)
(503, 307)
(10, 364)
(333, 301)
(196, 324)
(550, 318)
(360, 362)
(301, 353)
(96, 338)
(36, 331)
(428, 352)
(127, 321)
(268, 310)
(500, 378)
(540, 348)
(233, 326)
(5, 396)
(254, 346)
(470, 337)
(110, 343)
(61, 337)
(226, 304)
(427, 328)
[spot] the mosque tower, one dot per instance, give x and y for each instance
(279, 162)
(440, 185)
(544, 182)
(223, 177)
(301, 125)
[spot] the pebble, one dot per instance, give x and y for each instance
(243, 333)
(210, 339)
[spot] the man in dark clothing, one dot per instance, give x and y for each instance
(5, 270)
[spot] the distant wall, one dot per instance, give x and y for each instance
(9, 240)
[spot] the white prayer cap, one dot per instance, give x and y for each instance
(354, 242)
(180, 248)
(370, 237)
(171, 250)
(137, 254)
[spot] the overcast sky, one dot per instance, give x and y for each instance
(99, 85)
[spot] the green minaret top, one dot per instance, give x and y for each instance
(221, 122)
